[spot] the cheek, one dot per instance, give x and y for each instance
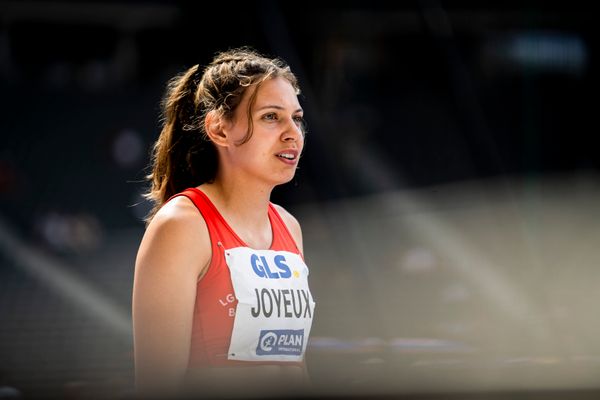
(239, 130)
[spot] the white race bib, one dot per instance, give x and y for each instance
(275, 308)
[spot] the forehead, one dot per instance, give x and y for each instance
(276, 91)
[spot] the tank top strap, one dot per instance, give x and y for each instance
(282, 238)
(218, 229)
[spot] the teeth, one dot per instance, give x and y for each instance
(286, 155)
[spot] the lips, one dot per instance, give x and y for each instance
(289, 156)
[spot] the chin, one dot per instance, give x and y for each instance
(285, 179)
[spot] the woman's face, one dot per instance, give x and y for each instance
(272, 152)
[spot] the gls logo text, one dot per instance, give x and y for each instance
(261, 267)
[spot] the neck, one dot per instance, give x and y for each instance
(243, 202)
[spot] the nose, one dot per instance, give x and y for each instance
(292, 132)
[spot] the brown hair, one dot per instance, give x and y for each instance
(183, 156)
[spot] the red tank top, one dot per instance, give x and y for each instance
(215, 306)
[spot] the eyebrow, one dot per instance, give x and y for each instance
(276, 107)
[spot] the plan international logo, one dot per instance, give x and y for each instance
(287, 342)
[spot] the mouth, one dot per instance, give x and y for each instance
(288, 156)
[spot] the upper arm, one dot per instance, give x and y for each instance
(293, 226)
(174, 251)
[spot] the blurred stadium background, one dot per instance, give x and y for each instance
(449, 192)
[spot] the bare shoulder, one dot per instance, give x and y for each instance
(292, 224)
(181, 216)
(290, 221)
(178, 231)
(179, 208)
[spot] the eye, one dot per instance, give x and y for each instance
(270, 117)
(299, 119)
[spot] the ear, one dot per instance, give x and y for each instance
(213, 125)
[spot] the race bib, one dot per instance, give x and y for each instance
(275, 307)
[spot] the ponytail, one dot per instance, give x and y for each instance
(182, 156)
